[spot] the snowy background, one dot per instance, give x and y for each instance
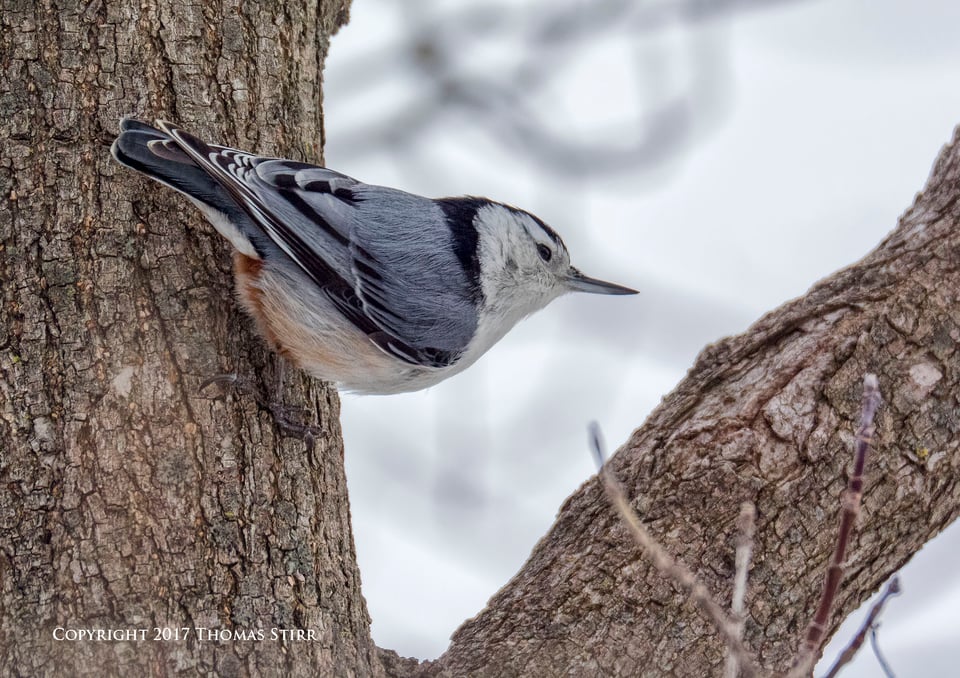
(719, 162)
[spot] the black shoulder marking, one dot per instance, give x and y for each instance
(460, 214)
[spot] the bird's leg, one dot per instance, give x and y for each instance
(227, 379)
(285, 417)
(290, 417)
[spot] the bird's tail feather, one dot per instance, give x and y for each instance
(153, 152)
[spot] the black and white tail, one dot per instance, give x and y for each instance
(158, 155)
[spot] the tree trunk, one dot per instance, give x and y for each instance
(768, 416)
(129, 500)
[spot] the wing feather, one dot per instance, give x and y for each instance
(384, 257)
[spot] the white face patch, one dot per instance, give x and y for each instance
(514, 279)
(498, 233)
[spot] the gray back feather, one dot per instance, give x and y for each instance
(393, 247)
(385, 257)
(407, 273)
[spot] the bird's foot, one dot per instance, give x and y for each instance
(288, 418)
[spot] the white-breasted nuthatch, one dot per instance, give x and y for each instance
(376, 289)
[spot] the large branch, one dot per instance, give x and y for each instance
(768, 417)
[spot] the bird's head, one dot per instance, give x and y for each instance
(524, 263)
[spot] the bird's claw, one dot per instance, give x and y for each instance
(284, 416)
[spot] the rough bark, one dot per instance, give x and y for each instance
(768, 416)
(128, 499)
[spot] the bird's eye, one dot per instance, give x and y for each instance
(544, 252)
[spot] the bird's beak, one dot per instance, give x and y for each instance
(578, 282)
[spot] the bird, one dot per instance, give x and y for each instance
(376, 289)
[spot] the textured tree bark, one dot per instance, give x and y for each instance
(128, 500)
(767, 416)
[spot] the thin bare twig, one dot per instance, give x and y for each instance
(745, 528)
(669, 567)
(893, 589)
(850, 508)
(875, 644)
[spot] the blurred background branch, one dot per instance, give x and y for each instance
(506, 68)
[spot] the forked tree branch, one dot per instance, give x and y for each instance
(850, 651)
(739, 659)
(757, 419)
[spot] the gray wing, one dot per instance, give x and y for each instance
(384, 257)
(408, 273)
